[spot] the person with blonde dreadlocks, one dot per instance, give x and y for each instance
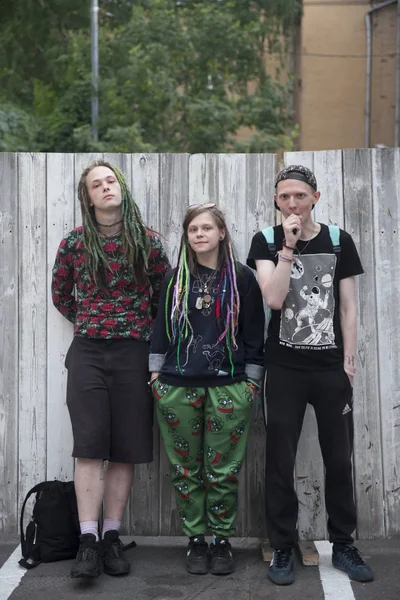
(206, 359)
(116, 266)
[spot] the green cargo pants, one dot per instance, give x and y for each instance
(204, 431)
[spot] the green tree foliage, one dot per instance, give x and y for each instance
(175, 75)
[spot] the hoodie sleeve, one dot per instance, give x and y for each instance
(252, 326)
(159, 340)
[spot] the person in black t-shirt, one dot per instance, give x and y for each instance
(206, 360)
(307, 279)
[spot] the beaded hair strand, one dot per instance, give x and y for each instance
(135, 237)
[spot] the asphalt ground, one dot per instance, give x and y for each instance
(158, 573)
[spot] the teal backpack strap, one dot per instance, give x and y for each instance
(269, 235)
(334, 232)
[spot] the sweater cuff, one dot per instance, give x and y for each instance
(254, 371)
(156, 362)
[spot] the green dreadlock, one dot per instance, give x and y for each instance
(135, 237)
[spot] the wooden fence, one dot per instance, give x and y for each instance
(38, 205)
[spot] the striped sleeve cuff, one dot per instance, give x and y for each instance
(254, 371)
(156, 362)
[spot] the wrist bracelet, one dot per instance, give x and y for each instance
(284, 244)
(284, 258)
(253, 383)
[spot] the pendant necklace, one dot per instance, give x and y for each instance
(299, 252)
(205, 300)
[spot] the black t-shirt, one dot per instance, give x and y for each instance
(305, 333)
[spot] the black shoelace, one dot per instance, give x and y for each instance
(87, 553)
(221, 550)
(354, 555)
(282, 558)
(199, 548)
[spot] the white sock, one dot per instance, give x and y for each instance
(90, 527)
(109, 525)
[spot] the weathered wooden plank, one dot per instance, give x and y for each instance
(328, 171)
(174, 194)
(266, 551)
(145, 187)
(145, 499)
(60, 220)
(82, 161)
(232, 185)
(123, 163)
(386, 194)
(300, 158)
(260, 173)
(358, 204)
(203, 179)
(9, 344)
(309, 555)
(309, 470)
(32, 320)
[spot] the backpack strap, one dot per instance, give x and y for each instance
(269, 235)
(334, 232)
(36, 488)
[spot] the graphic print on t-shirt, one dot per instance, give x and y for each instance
(307, 313)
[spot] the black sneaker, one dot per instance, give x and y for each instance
(113, 551)
(88, 560)
(196, 556)
(348, 559)
(281, 569)
(222, 561)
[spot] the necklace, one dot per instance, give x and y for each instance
(299, 252)
(110, 225)
(104, 235)
(205, 300)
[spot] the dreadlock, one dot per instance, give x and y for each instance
(135, 237)
(227, 303)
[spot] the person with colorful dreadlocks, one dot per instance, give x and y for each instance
(116, 265)
(206, 360)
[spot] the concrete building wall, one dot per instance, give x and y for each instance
(330, 92)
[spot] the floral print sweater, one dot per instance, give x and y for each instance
(127, 310)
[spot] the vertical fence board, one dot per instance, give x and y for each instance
(60, 220)
(232, 194)
(33, 319)
(203, 179)
(145, 501)
(260, 171)
(367, 424)
(232, 184)
(8, 343)
(386, 193)
(174, 196)
(123, 163)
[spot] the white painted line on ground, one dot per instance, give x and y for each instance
(11, 574)
(335, 583)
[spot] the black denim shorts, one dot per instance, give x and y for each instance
(108, 399)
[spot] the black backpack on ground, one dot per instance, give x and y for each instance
(53, 532)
